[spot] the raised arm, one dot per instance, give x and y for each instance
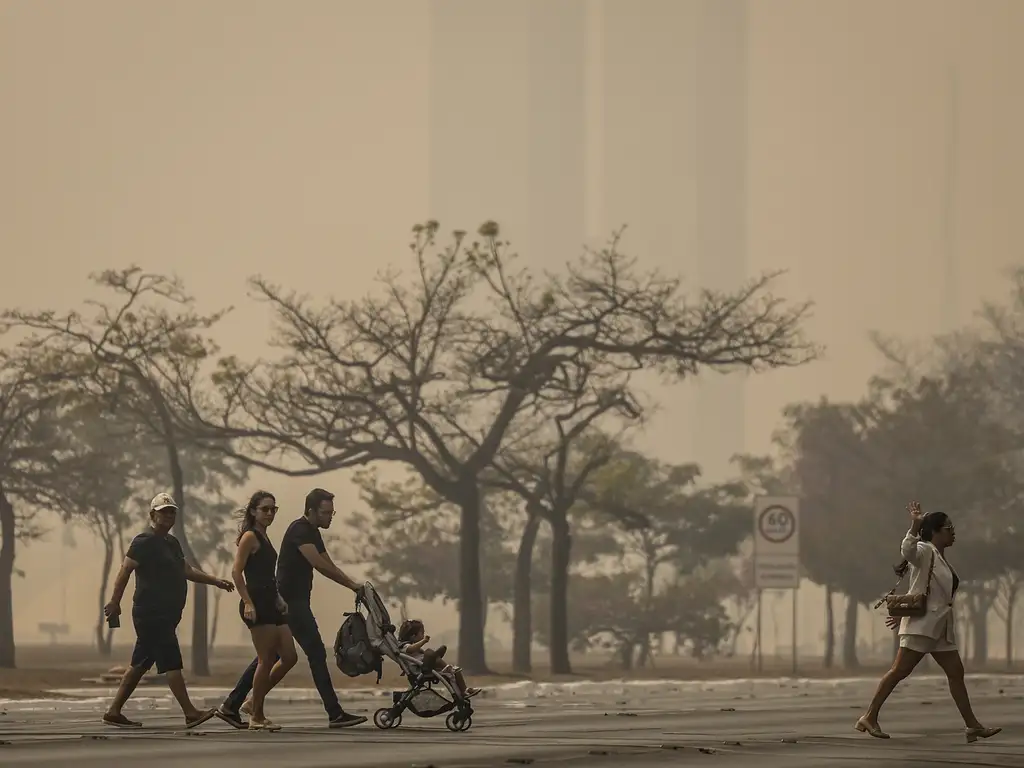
(912, 547)
(323, 563)
(418, 645)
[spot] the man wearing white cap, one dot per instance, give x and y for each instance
(161, 576)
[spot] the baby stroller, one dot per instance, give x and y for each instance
(360, 648)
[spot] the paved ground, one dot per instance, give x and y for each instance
(762, 725)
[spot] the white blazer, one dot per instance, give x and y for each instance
(938, 621)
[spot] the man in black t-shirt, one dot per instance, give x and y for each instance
(161, 587)
(302, 551)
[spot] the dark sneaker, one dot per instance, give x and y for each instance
(234, 719)
(345, 720)
(120, 721)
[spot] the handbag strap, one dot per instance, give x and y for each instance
(931, 570)
(927, 589)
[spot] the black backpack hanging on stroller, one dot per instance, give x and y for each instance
(353, 650)
(359, 649)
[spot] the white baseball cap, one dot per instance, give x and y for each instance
(162, 501)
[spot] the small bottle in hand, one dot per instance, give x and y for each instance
(113, 613)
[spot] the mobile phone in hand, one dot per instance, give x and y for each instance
(114, 620)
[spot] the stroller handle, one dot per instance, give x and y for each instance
(360, 594)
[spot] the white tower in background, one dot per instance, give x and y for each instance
(719, 424)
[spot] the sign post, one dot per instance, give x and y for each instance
(777, 551)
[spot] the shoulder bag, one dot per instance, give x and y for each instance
(909, 606)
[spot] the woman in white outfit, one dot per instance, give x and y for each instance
(931, 574)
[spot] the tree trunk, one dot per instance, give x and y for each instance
(472, 649)
(962, 630)
(830, 629)
(7, 541)
(200, 595)
(850, 635)
(1011, 604)
(522, 616)
(644, 654)
(979, 630)
(214, 622)
(626, 655)
(650, 571)
(561, 551)
(104, 636)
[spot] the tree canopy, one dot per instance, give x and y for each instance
(141, 354)
(448, 361)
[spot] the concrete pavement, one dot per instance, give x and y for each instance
(764, 725)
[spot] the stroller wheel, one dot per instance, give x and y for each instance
(383, 720)
(456, 722)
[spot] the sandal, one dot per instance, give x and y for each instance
(203, 716)
(263, 725)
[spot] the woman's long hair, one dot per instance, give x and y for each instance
(248, 515)
(932, 523)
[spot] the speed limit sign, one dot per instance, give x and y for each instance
(777, 525)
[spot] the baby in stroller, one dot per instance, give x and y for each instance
(430, 693)
(412, 638)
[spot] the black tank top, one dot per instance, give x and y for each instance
(259, 570)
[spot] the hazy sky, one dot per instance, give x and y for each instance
(291, 139)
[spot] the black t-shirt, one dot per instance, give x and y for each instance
(160, 584)
(294, 573)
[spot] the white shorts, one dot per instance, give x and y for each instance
(925, 644)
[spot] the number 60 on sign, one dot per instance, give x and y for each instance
(777, 526)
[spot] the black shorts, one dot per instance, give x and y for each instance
(156, 642)
(267, 614)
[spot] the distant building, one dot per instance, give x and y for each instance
(674, 164)
(506, 121)
(566, 120)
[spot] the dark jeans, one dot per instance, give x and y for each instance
(307, 634)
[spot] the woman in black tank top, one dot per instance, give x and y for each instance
(262, 585)
(261, 607)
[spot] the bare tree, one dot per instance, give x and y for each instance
(470, 346)
(135, 354)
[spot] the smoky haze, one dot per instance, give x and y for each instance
(869, 148)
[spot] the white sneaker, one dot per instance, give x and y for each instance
(246, 708)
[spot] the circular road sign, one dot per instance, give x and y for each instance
(776, 524)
